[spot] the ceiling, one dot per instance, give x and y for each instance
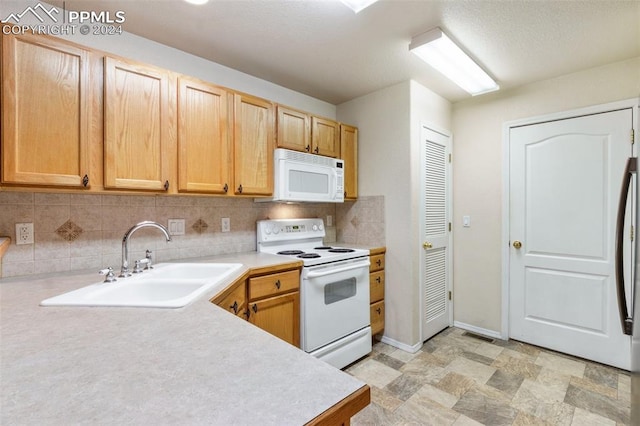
(323, 49)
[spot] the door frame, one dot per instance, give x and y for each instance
(422, 208)
(633, 103)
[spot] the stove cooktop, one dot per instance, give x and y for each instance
(301, 239)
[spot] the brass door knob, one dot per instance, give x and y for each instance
(517, 244)
(427, 245)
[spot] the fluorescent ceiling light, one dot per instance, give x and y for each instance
(358, 5)
(198, 2)
(436, 49)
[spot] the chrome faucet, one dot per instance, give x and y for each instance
(124, 271)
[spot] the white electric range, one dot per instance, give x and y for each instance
(334, 289)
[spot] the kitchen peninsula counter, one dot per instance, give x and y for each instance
(193, 365)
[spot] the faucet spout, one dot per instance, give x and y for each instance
(124, 271)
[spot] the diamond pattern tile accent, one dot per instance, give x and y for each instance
(200, 226)
(69, 231)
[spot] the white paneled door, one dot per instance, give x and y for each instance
(565, 178)
(435, 229)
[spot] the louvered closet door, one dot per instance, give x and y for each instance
(436, 259)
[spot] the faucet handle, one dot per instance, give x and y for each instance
(138, 265)
(110, 276)
(147, 256)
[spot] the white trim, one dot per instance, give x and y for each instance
(403, 346)
(506, 128)
(478, 330)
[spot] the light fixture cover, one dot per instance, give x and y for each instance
(198, 2)
(439, 51)
(358, 5)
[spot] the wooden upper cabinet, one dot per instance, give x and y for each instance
(204, 152)
(254, 131)
(325, 137)
(294, 129)
(349, 153)
(45, 112)
(138, 139)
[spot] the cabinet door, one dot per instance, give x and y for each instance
(325, 137)
(377, 317)
(236, 301)
(45, 112)
(253, 145)
(279, 316)
(294, 130)
(349, 153)
(137, 126)
(203, 138)
(376, 286)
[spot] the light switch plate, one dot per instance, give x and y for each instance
(329, 220)
(176, 226)
(226, 224)
(466, 221)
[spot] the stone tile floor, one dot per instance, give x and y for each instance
(458, 379)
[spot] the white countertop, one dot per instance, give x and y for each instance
(194, 365)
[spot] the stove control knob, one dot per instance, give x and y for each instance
(267, 229)
(320, 227)
(315, 227)
(276, 230)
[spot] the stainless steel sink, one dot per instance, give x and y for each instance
(169, 285)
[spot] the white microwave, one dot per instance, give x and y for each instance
(301, 177)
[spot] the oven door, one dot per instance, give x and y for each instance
(334, 301)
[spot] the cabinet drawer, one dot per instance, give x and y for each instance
(236, 301)
(376, 286)
(377, 262)
(377, 317)
(270, 285)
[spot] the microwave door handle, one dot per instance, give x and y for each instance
(337, 271)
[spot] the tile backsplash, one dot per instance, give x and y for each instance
(361, 222)
(80, 231)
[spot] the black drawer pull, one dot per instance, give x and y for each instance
(379, 262)
(234, 307)
(378, 280)
(379, 311)
(278, 284)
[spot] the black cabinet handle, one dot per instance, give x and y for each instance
(234, 307)
(317, 150)
(166, 185)
(308, 148)
(379, 262)
(378, 280)
(240, 189)
(255, 308)
(278, 284)
(226, 188)
(379, 311)
(85, 181)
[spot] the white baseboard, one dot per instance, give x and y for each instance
(407, 348)
(478, 330)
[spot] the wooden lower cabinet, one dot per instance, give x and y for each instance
(376, 289)
(279, 316)
(268, 299)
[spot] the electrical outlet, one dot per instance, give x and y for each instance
(329, 220)
(24, 233)
(176, 226)
(226, 224)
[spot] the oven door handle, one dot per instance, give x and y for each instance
(332, 271)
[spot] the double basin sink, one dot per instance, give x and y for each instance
(168, 285)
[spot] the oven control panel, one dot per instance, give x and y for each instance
(290, 229)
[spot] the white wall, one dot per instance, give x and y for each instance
(477, 174)
(388, 164)
(143, 50)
